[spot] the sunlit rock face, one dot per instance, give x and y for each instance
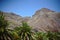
(14, 20)
(43, 20)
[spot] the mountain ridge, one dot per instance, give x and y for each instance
(43, 20)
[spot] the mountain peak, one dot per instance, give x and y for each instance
(46, 10)
(43, 11)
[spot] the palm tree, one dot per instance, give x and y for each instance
(40, 36)
(53, 35)
(4, 34)
(24, 31)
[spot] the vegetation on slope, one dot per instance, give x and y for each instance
(4, 32)
(24, 32)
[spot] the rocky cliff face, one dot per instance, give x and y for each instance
(43, 20)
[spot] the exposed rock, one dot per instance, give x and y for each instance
(43, 20)
(13, 19)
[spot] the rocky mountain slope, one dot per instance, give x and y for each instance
(14, 20)
(43, 20)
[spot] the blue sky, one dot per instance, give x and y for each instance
(28, 7)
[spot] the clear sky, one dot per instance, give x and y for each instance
(28, 7)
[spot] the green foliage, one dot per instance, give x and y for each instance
(4, 34)
(47, 36)
(3, 22)
(24, 32)
(41, 36)
(53, 35)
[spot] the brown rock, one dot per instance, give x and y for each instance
(43, 20)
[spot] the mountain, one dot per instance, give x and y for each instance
(43, 20)
(14, 20)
